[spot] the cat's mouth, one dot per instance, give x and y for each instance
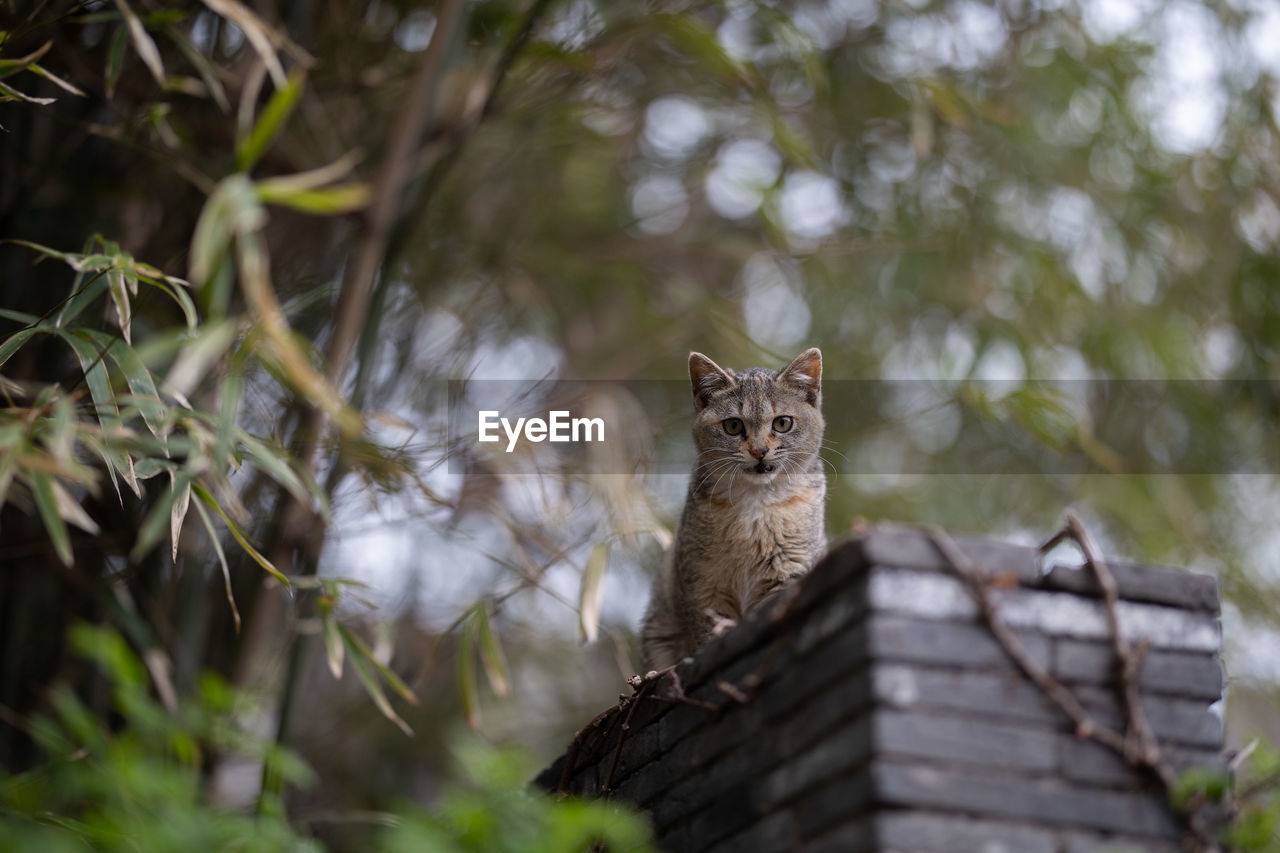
(763, 467)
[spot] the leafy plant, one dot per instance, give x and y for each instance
(140, 785)
(492, 809)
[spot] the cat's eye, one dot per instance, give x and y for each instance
(733, 426)
(783, 423)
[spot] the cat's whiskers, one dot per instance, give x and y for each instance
(717, 466)
(835, 472)
(787, 463)
(828, 445)
(733, 470)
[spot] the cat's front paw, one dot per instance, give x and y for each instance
(719, 622)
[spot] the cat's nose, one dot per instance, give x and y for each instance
(758, 452)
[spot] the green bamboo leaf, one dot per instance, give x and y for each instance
(59, 435)
(15, 341)
(175, 288)
(692, 37)
(589, 595)
(115, 58)
(120, 298)
(156, 524)
(270, 123)
(138, 378)
(19, 317)
(8, 466)
(468, 689)
(198, 355)
(238, 534)
(203, 67)
(8, 93)
(93, 363)
(71, 510)
(274, 462)
(228, 409)
(21, 62)
(260, 36)
(495, 662)
(385, 671)
(181, 503)
(222, 561)
(47, 505)
(333, 645)
(211, 237)
(343, 198)
(55, 79)
(43, 250)
(142, 42)
(373, 688)
(81, 297)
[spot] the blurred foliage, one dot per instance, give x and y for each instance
(938, 190)
(139, 784)
(493, 809)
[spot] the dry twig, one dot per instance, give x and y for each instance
(1138, 747)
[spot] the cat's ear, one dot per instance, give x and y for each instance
(805, 373)
(706, 377)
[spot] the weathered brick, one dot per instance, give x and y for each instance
(837, 662)
(1042, 801)
(1088, 842)
(1183, 721)
(1091, 763)
(856, 836)
(775, 832)
(928, 595)
(897, 638)
(1194, 675)
(839, 702)
(1000, 695)
(838, 801)
(732, 809)
(841, 751)
(1134, 582)
(944, 738)
(909, 547)
(934, 833)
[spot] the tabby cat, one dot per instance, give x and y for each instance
(753, 517)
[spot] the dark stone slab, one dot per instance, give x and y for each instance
(775, 832)
(732, 809)
(1088, 842)
(935, 833)
(810, 721)
(1000, 696)
(646, 784)
(1188, 674)
(857, 836)
(838, 662)
(838, 802)
(1002, 795)
(838, 753)
(910, 547)
(1183, 721)
(1136, 582)
(944, 738)
(959, 644)
(1093, 764)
